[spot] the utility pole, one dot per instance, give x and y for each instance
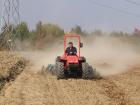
(9, 20)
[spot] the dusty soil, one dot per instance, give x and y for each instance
(7, 60)
(11, 65)
(32, 88)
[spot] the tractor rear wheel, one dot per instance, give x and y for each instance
(59, 66)
(87, 71)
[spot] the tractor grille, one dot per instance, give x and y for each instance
(73, 67)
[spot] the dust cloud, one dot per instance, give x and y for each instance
(40, 58)
(108, 55)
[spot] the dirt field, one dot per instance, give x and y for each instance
(31, 88)
(7, 60)
(11, 65)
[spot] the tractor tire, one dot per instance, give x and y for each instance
(91, 72)
(59, 66)
(87, 71)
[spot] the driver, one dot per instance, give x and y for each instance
(71, 50)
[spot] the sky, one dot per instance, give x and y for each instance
(87, 14)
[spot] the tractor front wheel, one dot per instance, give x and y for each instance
(59, 66)
(87, 71)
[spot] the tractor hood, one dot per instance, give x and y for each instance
(72, 59)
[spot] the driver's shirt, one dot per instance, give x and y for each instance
(71, 50)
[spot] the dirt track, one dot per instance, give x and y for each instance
(31, 88)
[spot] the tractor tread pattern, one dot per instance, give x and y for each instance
(59, 66)
(87, 71)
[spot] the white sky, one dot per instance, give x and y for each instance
(68, 13)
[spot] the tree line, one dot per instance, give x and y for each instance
(46, 33)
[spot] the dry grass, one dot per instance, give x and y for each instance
(7, 60)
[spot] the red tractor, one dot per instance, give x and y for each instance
(72, 65)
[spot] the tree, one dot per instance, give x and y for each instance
(54, 30)
(48, 30)
(77, 30)
(22, 31)
(46, 33)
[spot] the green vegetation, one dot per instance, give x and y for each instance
(22, 31)
(44, 34)
(47, 31)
